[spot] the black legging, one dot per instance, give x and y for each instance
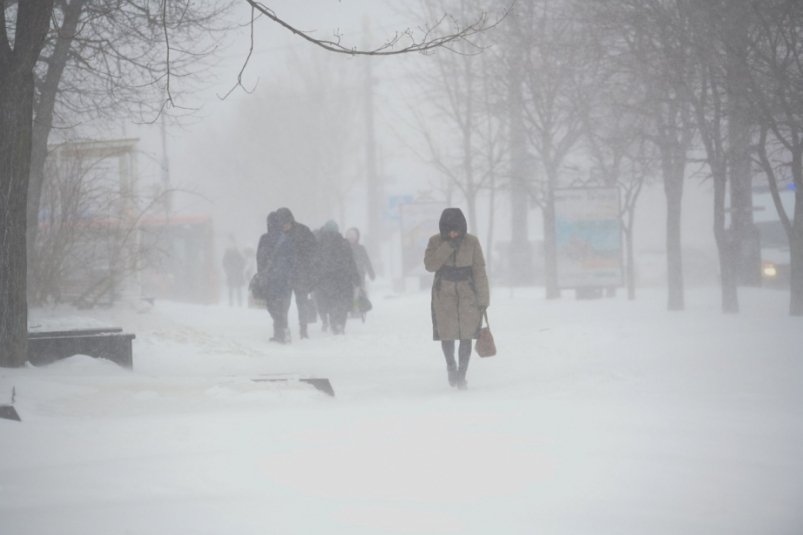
(463, 352)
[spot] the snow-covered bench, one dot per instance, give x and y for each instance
(45, 347)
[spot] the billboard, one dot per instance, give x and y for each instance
(588, 237)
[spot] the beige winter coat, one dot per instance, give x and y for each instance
(456, 313)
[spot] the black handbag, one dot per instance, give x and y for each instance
(258, 286)
(363, 303)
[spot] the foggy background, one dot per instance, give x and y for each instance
(299, 140)
(296, 134)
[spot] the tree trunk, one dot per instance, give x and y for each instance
(745, 269)
(796, 259)
(796, 238)
(550, 249)
(43, 122)
(724, 241)
(16, 112)
(630, 253)
(16, 125)
(673, 186)
(631, 266)
(520, 254)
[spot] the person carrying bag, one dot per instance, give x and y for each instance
(460, 291)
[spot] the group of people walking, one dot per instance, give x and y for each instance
(323, 270)
(320, 270)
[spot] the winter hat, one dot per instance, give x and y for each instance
(330, 226)
(284, 216)
(453, 219)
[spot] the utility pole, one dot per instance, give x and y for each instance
(374, 194)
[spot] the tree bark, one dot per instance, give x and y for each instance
(725, 242)
(16, 130)
(550, 248)
(674, 173)
(796, 258)
(520, 253)
(16, 103)
(740, 176)
(796, 238)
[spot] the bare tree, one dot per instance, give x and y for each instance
(19, 52)
(715, 88)
(659, 55)
(88, 243)
(553, 60)
(614, 133)
(469, 152)
(775, 68)
(24, 28)
(107, 58)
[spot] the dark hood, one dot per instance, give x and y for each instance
(284, 216)
(453, 219)
(273, 223)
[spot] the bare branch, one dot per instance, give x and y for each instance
(427, 43)
(245, 62)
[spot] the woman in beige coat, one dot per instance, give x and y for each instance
(460, 291)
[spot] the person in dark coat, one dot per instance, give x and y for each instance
(337, 277)
(364, 267)
(299, 254)
(274, 268)
(361, 258)
(234, 268)
(460, 292)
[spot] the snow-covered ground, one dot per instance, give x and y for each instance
(597, 417)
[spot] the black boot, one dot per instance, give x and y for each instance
(277, 334)
(281, 336)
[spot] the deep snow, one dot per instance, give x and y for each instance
(597, 417)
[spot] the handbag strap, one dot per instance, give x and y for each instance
(485, 314)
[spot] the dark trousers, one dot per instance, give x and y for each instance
(278, 307)
(333, 307)
(304, 307)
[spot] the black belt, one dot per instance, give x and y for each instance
(455, 274)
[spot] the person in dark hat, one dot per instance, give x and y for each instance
(273, 270)
(299, 254)
(460, 292)
(361, 303)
